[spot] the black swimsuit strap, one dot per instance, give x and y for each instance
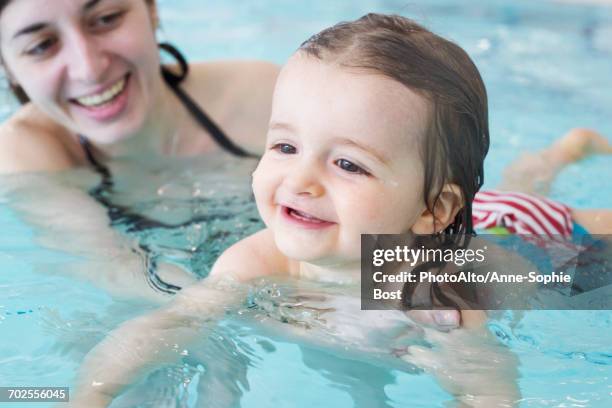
(117, 213)
(174, 80)
(120, 214)
(100, 168)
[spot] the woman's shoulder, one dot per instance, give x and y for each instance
(238, 95)
(31, 142)
(233, 79)
(236, 69)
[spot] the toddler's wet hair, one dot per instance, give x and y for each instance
(457, 137)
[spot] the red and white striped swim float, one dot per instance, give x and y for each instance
(521, 214)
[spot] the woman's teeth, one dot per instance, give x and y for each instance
(104, 97)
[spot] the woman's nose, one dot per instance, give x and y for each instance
(86, 62)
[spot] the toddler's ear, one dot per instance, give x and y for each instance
(448, 204)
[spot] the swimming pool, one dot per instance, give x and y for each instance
(547, 68)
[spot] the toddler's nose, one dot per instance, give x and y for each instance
(304, 182)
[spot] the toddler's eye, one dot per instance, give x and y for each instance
(350, 167)
(284, 148)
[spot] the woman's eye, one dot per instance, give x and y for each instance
(41, 47)
(350, 167)
(284, 148)
(107, 20)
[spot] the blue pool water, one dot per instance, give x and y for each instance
(547, 68)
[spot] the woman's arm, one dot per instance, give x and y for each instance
(470, 364)
(65, 218)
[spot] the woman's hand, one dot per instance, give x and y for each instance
(470, 364)
(442, 320)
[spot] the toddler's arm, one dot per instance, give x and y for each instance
(143, 343)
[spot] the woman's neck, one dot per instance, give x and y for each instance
(163, 126)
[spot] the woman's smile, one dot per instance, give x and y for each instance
(106, 104)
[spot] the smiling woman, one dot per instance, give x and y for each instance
(93, 68)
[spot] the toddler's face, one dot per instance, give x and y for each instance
(342, 159)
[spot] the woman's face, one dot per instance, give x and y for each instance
(91, 65)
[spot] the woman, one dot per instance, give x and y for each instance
(91, 70)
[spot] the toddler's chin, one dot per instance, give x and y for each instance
(295, 251)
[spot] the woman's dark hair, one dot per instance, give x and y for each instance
(17, 90)
(457, 139)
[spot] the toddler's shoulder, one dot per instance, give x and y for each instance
(252, 257)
